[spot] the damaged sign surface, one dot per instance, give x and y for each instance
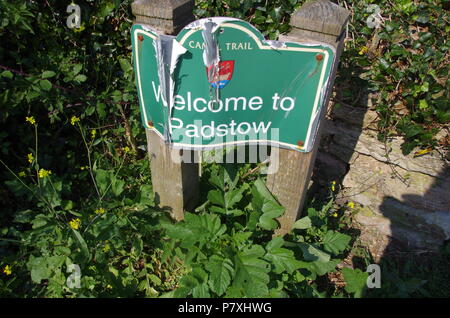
(219, 82)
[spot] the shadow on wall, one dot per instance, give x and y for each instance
(346, 118)
(409, 267)
(421, 221)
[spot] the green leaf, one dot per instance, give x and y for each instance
(117, 186)
(203, 228)
(234, 196)
(355, 280)
(137, 246)
(7, 74)
(102, 179)
(125, 65)
(252, 272)
(423, 104)
(221, 271)
(264, 202)
(303, 223)
(195, 283)
(282, 258)
(77, 68)
(267, 220)
(83, 246)
(39, 269)
(262, 190)
(146, 196)
(39, 221)
(45, 85)
(48, 74)
(312, 253)
(216, 197)
(319, 268)
(335, 242)
(80, 78)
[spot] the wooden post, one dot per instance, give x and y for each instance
(175, 183)
(325, 22)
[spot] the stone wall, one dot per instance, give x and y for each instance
(397, 197)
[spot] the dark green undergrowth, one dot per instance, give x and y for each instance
(75, 184)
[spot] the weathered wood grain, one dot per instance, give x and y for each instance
(325, 22)
(175, 182)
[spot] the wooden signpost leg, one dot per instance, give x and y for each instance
(175, 183)
(325, 22)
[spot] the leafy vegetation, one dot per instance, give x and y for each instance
(76, 188)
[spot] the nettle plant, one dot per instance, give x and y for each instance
(229, 248)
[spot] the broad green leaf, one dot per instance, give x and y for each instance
(267, 222)
(240, 237)
(82, 243)
(318, 268)
(38, 268)
(234, 196)
(7, 74)
(303, 223)
(216, 197)
(282, 259)
(45, 85)
(77, 68)
(262, 190)
(355, 281)
(125, 65)
(217, 180)
(137, 246)
(117, 186)
(276, 242)
(102, 179)
(221, 271)
(423, 104)
(80, 78)
(48, 74)
(312, 253)
(39, 221)
(252, 272)
(335, 242)
(264, 202)
(203, 228)
(195, 283)
(147, 195)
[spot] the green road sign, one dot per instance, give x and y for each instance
(220, 82)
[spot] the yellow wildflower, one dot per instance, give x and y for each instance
(30, 157)
(126, 149)
(106, 248)
(22, 174)
(44, 173)
(333, 184)
(109, 286)
(363, 50)
(31, 120)
(100, 211)
(93, 133)
(84, 168)
(75, 224)
(74, 120)
(335, 214)
(351, 205)
(7, 270)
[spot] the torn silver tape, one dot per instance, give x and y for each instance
(275, 44)
(168, 52)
